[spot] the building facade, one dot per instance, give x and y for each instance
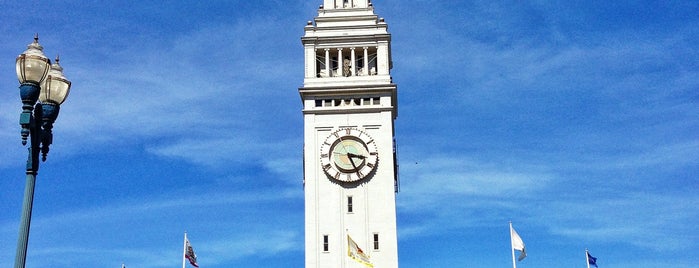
(349, 108)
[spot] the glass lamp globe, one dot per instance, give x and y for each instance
(56, 87)
(32, 65)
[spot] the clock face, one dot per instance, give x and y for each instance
(349, 155)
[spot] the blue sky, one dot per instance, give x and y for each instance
(575, 120)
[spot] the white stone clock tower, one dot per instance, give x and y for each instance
(350, 169)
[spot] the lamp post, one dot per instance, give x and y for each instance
(43, 82)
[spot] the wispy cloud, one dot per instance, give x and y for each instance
(577, 121)
(621, 220)
(180, 210)
(458, 175)
(251, 243)
(207, 88)
(447, 187)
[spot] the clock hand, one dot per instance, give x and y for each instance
(352, 161)
(359, 174)
(356, 155)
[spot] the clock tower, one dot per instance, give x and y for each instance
(349, 108)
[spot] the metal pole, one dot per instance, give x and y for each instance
(23, 239)
(37, 121)
(587, 258)
(514, 263)
(35, 135)
(184, 250)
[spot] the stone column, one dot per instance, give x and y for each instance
(339, 61)
(354, 63)
(382, 64)
(366, 60)
(327, 62)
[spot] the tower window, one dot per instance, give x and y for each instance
(376, 101)
(376, 241)
(326, 246)
(349, 204)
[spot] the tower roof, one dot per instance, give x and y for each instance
(342, 19)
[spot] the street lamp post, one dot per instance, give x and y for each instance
(43, 82)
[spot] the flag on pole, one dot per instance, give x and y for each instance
(517, 244)
(591, 260)
(357, 254)
(189, 253)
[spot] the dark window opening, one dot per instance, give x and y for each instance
(376, 241)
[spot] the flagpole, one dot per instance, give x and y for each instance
(512, 247)
(184, 249)
(587, 258)
(345, 246)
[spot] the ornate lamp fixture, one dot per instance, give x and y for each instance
(39, 81)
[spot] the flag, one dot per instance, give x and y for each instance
(357, 254)
(517, 243)
(591, 260)
(189, 253)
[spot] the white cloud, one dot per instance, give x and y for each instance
(171, 211)
(251, 243)
(443, 193)
(460, 175)
(641, 219)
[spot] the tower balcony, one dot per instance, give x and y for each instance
(344, 81)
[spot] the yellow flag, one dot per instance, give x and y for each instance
(357, 254)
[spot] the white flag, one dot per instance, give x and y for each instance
(517, 243)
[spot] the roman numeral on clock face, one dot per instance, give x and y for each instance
(348, 154)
